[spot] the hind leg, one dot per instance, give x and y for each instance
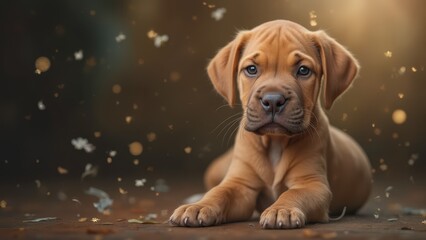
(217, 169)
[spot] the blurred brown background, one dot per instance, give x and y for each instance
(166, 101)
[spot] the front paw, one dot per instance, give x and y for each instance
(196, 215)
(282, 217)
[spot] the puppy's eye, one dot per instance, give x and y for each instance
(251, 71)
(303, 71)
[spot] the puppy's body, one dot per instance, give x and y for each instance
(349, 179)
(287, 161)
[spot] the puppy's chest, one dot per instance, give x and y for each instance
(275, 153)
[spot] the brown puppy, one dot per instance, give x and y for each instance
(287, 161)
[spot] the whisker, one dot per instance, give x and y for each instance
(229, 127)
(224, 121)
(230, 123)
(233, 132)
(226, 105)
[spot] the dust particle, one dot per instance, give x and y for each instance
(402, 70)
(122, 191)
(135, 148)
(152, 136)
(187, 150)
(41, 105)
(174, 76)
(388, 54)
(120, 37)
(218, 14)
(62, 170)
(399, 116)
(116, 89)
(3, 204)
(42, 64)
(151, 34)
(78, 55)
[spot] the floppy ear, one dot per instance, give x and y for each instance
(338, 65)
(223, 68)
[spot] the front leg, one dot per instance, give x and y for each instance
(230, 201)
(298, 205)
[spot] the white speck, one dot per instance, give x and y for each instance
(413, 159)
(41, 105)
(112, 153)
(377, 213)
(82, 143)
(150, 216)
(193, 198)
(104, 200)
(89, 170)
(43, 219)
(160, 39)
(412, 179)
(160, 186)
(121, 37)
(38, 183)
(62, 196)
(218, 14)
(78, 55)
(140, 182)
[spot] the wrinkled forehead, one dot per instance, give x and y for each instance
(280, 41)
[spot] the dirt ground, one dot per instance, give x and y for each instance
(390, 215)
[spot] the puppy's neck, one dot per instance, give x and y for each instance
(274, 147)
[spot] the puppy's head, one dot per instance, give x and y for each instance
(278, 68)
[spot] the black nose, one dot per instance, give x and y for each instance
(272, 102)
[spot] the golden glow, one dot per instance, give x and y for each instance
(116, 89)
(399, 116)
(42, 64)
(135, 148)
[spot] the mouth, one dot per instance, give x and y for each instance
(271, 128)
